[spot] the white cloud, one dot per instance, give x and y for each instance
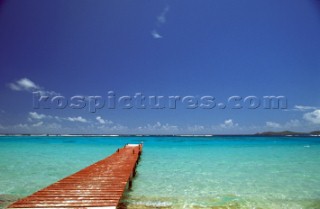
(168, 127)
(116, 127)
(155, 34)
(37, 116)
(38, 124)
(14, 87)
(162, 17)
(293, 123)
(303, 108)
(103, 121)
(61, 127)
(25, 84)
(100, 120)
(107, 126)
(77, 119)
(229, 124)
(273, 125)
(195, 128)
(290, 125)
(54, 127)
(313, 117)
(158, 127)
(22, 126)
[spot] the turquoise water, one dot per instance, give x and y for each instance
(177, 172)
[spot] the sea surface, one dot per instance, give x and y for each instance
(176, 172)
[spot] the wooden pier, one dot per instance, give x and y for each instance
(98, 186)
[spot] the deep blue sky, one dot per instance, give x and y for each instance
(198, 48)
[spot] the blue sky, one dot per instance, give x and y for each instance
(160, 48)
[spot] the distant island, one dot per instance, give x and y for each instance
(288, 133)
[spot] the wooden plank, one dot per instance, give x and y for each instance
(98, 186)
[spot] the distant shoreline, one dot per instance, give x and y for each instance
(263, 134)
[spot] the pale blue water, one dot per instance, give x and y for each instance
(177, 172)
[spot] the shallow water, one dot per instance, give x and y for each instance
(177, 172)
